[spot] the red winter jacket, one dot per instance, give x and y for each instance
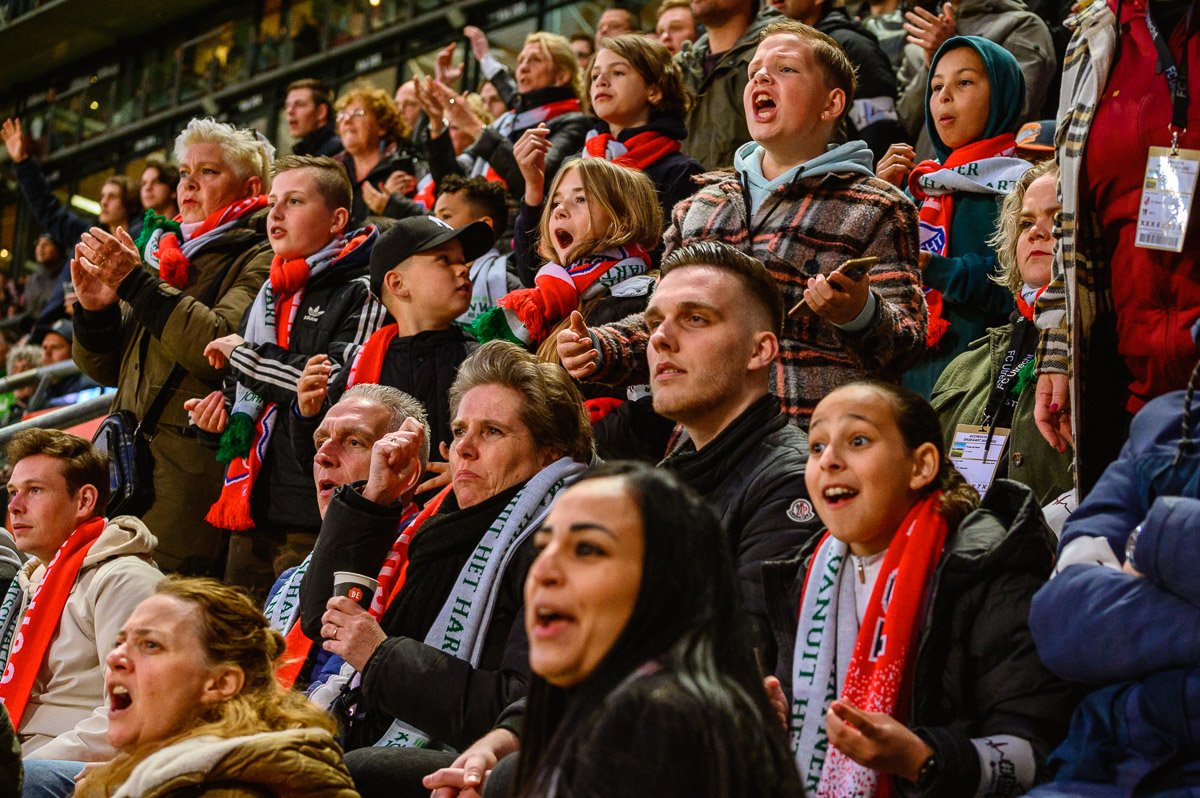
(1156, 294)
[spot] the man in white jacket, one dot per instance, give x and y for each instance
(84, 576)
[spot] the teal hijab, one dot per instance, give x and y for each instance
(1005, 79)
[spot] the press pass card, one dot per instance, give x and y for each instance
(975, 457)
(1167, 193)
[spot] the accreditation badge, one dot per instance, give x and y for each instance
(1167, 193)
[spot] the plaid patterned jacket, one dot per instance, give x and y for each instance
(820, 223)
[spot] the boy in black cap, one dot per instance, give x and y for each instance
(419, 273)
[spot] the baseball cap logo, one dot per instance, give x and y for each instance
(442, 222)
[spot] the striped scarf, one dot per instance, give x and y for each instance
(981, 167)
(252, 420)
(525, 317)
(489, 282)
(160, 239)
(514, 123)
(637, 152)
(878, 654)
(462, 624)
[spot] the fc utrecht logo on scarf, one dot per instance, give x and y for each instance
(801, 511)
(933, 238)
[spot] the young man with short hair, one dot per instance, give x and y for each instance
(614, 22)
(462, 201)
(714, 324)
(316, 295)
(88, 573)
(309, 108)
(802, 207)
(675, 25)
(419, 273)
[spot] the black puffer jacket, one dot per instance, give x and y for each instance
(977, 673)
(398, 159)
(753, 474)
(337, 308)
(430, 689)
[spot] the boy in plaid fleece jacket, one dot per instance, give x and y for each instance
(812, 207)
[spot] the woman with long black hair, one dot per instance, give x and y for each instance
(636, 644)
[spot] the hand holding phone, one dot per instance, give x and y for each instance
(855, 269)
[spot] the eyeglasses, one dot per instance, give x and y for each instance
(344, 116)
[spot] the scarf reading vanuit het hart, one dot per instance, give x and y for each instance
(876, 655)
(23, 648)
(252, 421)
(982, 167)
(637, 152)
(162, 240)
(525, 317)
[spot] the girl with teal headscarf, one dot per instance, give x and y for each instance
(973, 102)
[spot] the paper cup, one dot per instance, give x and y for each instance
(358, 588)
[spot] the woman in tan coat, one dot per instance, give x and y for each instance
(195, 708)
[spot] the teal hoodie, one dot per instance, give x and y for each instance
(973, 303)
(853, 156)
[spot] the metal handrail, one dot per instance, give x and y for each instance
(67, 368)
(62, 418)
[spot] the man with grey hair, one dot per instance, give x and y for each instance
(372, 447)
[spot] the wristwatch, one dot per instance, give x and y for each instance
(928, 773)
(1131, 543)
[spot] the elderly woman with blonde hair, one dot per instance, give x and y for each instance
(195, 708)
(184, 282)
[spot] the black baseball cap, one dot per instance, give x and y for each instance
(417, 234)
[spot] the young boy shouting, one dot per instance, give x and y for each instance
(802, 206)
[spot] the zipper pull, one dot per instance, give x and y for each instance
(862, 572)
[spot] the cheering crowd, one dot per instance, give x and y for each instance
(790, 400)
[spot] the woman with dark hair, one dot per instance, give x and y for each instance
(913, 612)
(636, 644)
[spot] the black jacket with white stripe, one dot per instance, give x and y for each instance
(337, 310)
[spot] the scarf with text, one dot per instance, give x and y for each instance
(981, 167)
(637, 152)
(23, 646)
(461, 627)
(525, 317)
(877, 655)
(252, 420)
(170, 245)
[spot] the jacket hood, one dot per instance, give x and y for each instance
(284, 763)
(1005, 79)
(122, 536)
(1007, 532)
(358, 257)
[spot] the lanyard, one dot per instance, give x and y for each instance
(1176, 75)
(1001, 404)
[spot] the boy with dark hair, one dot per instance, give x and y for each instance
(803, 207)
(317, 294)
(87, 574)
(464, 200)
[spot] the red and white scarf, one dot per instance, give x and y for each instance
(368, 362)
(526, 316)
(24, 653)
(395, 565)
(877, 655)
(173, 258)
(981, 167)
(252, 420)
(637, 152)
